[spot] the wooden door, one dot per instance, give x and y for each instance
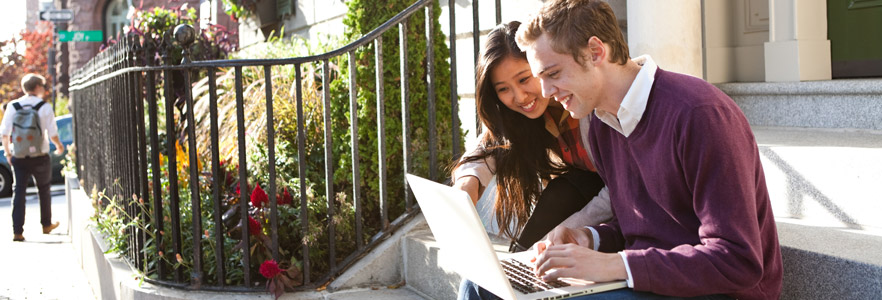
(854, 28)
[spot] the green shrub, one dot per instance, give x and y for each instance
(362, 17)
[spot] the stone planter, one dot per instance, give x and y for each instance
(71, 180)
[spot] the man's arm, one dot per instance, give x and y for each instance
(5, 139)
(595, 212)
(59, 147)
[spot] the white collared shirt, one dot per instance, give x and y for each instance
(634, 104)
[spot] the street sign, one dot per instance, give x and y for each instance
(57, 15)
(80, 36)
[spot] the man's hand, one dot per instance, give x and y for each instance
(8, 156)
(575, 261)
(564, 235)
(59, 149)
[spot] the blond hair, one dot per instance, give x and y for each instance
(571, 23)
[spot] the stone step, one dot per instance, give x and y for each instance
(830, 263)
(426, 269)
(824, 177)
(401, 293)
(841, 103)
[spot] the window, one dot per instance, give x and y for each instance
(116, 18)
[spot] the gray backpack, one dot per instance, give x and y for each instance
(27, 135)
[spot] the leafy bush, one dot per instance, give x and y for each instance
(362, 17)
(14, 65)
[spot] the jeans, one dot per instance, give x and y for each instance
(470, 291)
(23, 168)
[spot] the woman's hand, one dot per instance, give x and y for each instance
(471, 185)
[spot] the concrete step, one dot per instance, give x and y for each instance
(426, 269)
(841, 103)
(402, 293)
(830, 263)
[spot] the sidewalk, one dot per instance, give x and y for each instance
(43, 266)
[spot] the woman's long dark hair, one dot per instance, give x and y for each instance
(519, 144)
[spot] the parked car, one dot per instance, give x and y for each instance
(64, 134)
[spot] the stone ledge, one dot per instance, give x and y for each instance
(770, 136)
(112, 278)
(836, 87)
(851, 103)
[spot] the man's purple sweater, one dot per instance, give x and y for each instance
(691, 207)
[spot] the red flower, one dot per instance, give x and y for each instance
(270, 269)
(285, 198)
(253, 226)
(258, 197)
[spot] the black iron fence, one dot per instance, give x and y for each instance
(119, 97)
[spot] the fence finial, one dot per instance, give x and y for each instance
(185, 35)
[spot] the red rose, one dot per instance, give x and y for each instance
(258, 197)
(269, 269)
(253, 226)
(285, 198)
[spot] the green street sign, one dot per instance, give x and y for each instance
(81, 36)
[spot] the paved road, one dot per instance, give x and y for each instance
(44, 266)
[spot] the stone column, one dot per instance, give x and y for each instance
(669, 31)
(798, 48)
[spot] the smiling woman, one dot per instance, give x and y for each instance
(532, 146)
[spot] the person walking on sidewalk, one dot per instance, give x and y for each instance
(28, 125)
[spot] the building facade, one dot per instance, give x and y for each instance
(112, 17)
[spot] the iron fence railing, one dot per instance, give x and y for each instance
(120, 150)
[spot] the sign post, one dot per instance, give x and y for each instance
(56, 16)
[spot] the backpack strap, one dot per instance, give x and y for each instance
(16, 105)
(37, 107)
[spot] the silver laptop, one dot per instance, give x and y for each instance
(458, 230)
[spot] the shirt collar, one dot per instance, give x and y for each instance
(552, 123)
(634, 104)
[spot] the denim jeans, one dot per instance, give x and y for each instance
(40, 168)
(470, 291)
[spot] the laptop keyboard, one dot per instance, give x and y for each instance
(524, 280)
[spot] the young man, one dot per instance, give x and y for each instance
(688, 192)
(28, 124)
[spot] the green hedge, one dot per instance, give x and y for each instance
(362, 17)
